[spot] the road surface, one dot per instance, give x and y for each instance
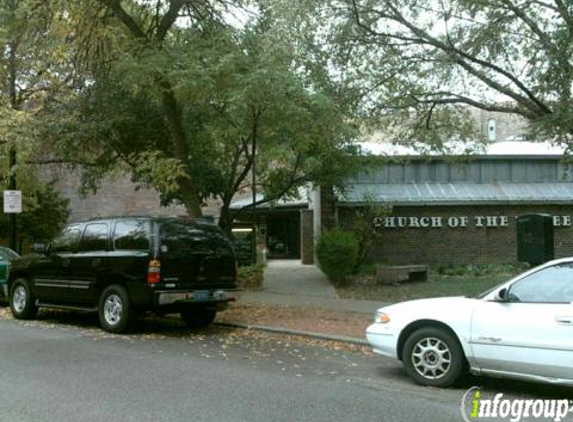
(63, 368)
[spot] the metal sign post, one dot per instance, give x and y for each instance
(13, 206)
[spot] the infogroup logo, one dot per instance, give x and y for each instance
(476, 405)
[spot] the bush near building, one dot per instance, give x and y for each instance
(337, 253)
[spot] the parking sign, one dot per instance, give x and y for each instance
(12, 201)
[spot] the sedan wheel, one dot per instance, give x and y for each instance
(432, 356)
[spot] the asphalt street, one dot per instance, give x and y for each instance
(52, 370)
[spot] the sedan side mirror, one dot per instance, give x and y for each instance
(502, 295)
(39, 248)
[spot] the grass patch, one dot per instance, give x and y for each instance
(451, 281)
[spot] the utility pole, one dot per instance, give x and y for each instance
(254, 210)
(13, 66)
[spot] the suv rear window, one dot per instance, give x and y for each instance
(183, 236)
(131, 235)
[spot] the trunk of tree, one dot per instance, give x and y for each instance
(190, 198)
(189, 193)
(225, 219)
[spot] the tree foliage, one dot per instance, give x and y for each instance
(45, 213)
(35, 68)
(415, 64)
(191, 109)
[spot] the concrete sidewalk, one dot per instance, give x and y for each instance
(311, 302)
(289, 283)
(290, 277)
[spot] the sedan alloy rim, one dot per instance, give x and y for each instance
(113, 309)
(19, 299)
(431, 358)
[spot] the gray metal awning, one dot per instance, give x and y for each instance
(281, 203)
(437, 193)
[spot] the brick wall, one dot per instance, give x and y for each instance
(327, 208)
(306, 237)
(461, 245)
(116, 196)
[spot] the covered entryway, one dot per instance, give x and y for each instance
(283, 235)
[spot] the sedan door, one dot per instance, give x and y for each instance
(531, 332)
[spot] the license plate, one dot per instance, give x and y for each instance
(202, 295)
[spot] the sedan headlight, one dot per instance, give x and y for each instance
(381, 318)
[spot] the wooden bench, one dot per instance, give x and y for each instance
(398, 274)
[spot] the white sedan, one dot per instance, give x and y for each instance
(520, 329)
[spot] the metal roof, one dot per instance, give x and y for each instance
(522, 149)
(436, 193)
(281, 203)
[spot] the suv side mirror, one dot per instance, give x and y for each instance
(39, 248)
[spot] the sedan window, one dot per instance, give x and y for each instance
(550, 285)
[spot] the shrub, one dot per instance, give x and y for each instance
(480, 270)
(251, 277)
(337, 253)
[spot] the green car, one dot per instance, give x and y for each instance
(7, 255)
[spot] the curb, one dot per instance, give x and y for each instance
(280, 330)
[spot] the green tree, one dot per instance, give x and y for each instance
(194, 117)
(142, 45)
(45, 213)
(35, 68)
(414, 63)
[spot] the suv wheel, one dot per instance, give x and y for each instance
(22, 300)
(198, 318)
(115, 312)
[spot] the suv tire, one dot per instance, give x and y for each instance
(116, 314)
(198, 318)
(22, 300)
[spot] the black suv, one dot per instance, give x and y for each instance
(120, 267)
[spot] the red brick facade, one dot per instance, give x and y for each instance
(473, 244)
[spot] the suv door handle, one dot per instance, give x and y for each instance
(96, 262)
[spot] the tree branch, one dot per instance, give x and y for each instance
(517, 11)
(462, 58)
(452, 98)
(62, 161)
(125, 18)
(169, 18)
(236, 183)
(565, 15)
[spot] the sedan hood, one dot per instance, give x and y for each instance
(440, 308)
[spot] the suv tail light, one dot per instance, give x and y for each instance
(154, 272)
